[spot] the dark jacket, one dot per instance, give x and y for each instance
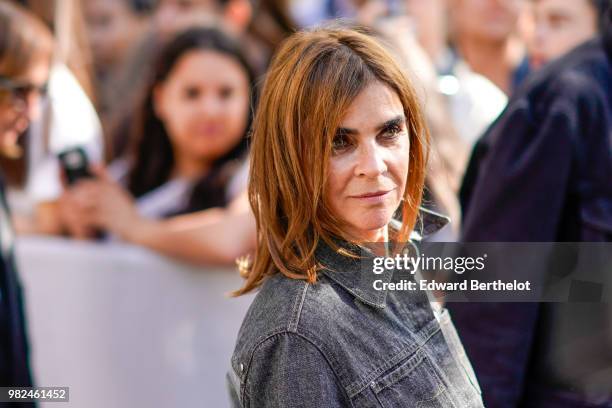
(14, 368)
(542, 172)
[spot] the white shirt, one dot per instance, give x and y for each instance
(73, 122)
(474, 101)
(174, 195)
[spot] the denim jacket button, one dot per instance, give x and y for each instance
(241, 367)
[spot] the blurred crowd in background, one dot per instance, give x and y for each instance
(159, 95)
(129, 120)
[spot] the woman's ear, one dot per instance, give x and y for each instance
(158, 101)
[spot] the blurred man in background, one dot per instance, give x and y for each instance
(25, 57)
(486, 38)
(558, 26)
(543, 173)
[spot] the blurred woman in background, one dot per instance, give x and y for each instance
(168, 18)
(26, 47)
(189, 139)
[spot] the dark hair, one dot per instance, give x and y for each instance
(606, 27)
(153, 155)
(601, 7)
(142, 7)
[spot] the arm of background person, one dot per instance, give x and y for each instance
(212, 236)
(217, 235)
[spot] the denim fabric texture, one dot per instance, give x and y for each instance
(341, 343)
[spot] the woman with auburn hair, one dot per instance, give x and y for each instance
(338, 146)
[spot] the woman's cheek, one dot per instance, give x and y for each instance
(236, 116)
(340, 175)
(188, 120)
(235, 127)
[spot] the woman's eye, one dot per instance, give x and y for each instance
(225, 93)
(391, 133)
(192, 93)
(340, 142)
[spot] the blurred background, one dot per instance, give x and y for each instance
(128, 183)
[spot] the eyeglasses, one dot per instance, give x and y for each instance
(17, 93)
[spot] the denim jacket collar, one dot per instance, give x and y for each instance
(354, 273)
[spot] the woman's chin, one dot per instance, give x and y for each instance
(9, 146)
(371, 226)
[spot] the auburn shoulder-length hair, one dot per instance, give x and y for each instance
(312, 81)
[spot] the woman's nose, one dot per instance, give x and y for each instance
(370, 161)
(209, 106)
(33, 106)
(540, 34)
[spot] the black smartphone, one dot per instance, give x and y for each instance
(75, 164)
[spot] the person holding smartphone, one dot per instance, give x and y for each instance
(25, 55)
(339, 145)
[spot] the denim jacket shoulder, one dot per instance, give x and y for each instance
(276, 341)
(337, 342)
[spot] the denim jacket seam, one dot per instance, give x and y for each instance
(246, 397)
(409, 350)
(278, 333)
(339, 372)
(360, 295)
(294, 318)
(331, 362)
(244, 377)
(290, 326)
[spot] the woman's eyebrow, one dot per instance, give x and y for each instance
(346, 131)
(396, 121)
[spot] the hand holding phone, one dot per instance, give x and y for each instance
(75, 165)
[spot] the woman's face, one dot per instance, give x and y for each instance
(20, 101)
(369, 166)
(558, 26)
(204, 105)
(492, 20)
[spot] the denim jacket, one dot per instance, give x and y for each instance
(341, 343)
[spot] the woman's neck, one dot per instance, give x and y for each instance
(189, 168)
(375, 240)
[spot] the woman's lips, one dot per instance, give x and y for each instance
(373, 197)
(209, 130)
